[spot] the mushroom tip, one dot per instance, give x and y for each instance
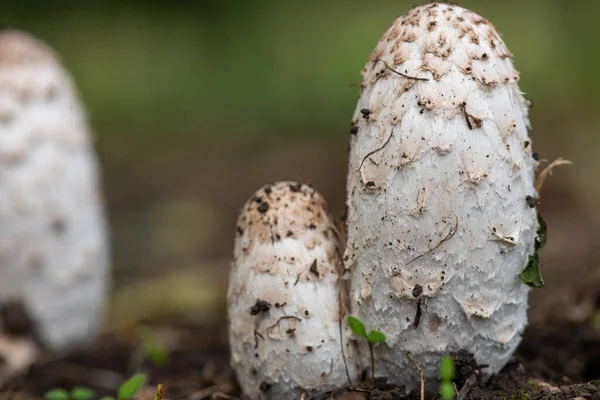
(287, 209)
(423, 43)
(19, 48)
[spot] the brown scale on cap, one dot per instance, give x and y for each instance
(442, 35)
(19, 48)
(284, 210)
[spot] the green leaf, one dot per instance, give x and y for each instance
(531, 274)
(376, 337)
(56, 394)
(357, 326)
(447, 368)
(131, 386)
(82, 393)
(447, 391)
(542, 234)
(107, 398)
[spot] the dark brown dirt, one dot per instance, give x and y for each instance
(555, 361)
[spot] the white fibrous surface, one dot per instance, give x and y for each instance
(53, 241)
(439, 227)
(284, 295)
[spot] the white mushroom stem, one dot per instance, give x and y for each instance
(53, 240)
(441, 216)
(284, 296)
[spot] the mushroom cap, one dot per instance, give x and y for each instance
(441, 38)
(53, 241)
(285, 210)
(440, 168)
(284, 295)
(17, 48)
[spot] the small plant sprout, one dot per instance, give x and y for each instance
(77, 393)
(129, 388)
(149, 347)
(126, 391)
(358, 328)
(447, 372)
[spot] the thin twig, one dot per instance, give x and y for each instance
(448, 237)
(401, 74)
(539, 182)
(462, 394)
(279, 320)
(376, 150)
(257, 335)
(421, 376)
(341, 318)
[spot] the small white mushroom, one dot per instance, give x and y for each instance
(53, 241)
(440, 182)
(284, 295)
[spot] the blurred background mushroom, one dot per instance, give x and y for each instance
(53, 239)
(195, 104)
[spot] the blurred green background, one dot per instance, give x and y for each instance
(196, 104)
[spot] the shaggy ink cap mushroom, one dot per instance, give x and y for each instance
(53, 239)
(284, 295)
(438, 223)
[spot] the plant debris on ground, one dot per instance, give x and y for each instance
(555, 361)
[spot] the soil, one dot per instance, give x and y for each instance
(558, 360)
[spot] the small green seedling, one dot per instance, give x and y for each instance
(77, 393)
(446, 375)
(127, 390)
(358, 328)
(149, 347)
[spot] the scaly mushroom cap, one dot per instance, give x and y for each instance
(53, 242)
(284, 295)
(440, 169)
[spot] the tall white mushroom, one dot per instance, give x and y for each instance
(441, 196)
(53, 240)
(284, 295)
